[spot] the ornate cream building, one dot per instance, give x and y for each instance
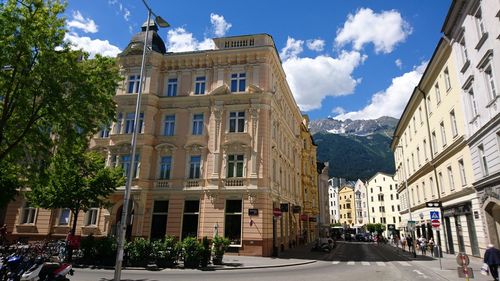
(432, 158)
(222, 148)
(346, 206)
(383, 202)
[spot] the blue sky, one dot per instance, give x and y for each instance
(343, 58)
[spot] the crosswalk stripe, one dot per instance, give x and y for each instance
(350, 263)
(379, 263)
(365, 263)
(403, 263)
(335, 262)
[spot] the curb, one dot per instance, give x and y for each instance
(263, 266)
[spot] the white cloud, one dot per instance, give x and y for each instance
(316, 45)
(398, 63)
(92, 46)
(219, 24)
(338, 110)
(384, 30)
(125, 13)
(313, 79)
(292, 49)
(391, 101)
(180, 40)
(86, 24)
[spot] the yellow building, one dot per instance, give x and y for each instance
(432, 156)
(346, 206)
(309, 177)
(218, 150)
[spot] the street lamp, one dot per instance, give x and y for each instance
(408, 199)
(123, 225)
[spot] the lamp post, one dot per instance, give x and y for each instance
(408, 199)
(123, 225)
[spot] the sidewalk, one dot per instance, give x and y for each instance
(448, 268)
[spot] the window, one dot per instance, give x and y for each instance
(418, 157)
(472, 103)
(490, 80)
(479, 23)
(392, 208)
(392, 197)
(165, 167)
(159, 220)
(199, 85)
(434, 141)
(190, 218)
(232, 221)
(438, 94)
(129, 122)
(29, 214)
(238, 81)
(461, 168)
(443, 134)
(169, 125)
(91, 217)
(463, 49)
(450, 178)
(425, 149)
(414, 124)
(237, 122)
(440, 181)
(418, 194)
(381, 197)
(235, 166)
(423, 190)
(197, 124)
(429, 106)
(195, 167)
(124, 162)
(447, 81)
(482, 159)
(64, 216)
(172, 87)
(104, 133)
(381, 209)
(420, 115)
(118, 124)
(453, 121)
(431, 186)
(133, 84)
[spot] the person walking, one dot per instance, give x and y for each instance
(403, 243)
(423, 245)
(409, 241)
(492, 259)
(431, 246)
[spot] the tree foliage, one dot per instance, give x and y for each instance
(46, 88)
(77, 180)
(375, 227)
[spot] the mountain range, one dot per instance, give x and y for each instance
(355, 149)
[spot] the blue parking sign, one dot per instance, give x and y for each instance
(434, 215)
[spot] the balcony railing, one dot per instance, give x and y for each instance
(192, 183)
(234, 182)
(162, 184)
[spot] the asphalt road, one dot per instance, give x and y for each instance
(348, 261)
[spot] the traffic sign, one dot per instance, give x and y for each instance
(277, 212)
(435, 223)
(434, 215)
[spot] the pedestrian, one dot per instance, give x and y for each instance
(431, 246)
(492, 259)
(423, 245)
(403, 243)
(409, 241)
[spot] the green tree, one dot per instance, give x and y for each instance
(46, 88)
(77, 180)
(375, 227)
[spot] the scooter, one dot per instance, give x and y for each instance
(47, 271)
(322, 246)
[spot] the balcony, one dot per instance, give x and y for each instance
(162, 184)
(230, 182)
(192, 183)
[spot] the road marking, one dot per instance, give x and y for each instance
(403, 263)
(420, 273)
(335, 262)
(350, 263)
(379, 263)
(365, 263)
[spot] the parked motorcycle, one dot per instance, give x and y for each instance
(47, 271)
(323, 245)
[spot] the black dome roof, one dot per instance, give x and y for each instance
(136, 44)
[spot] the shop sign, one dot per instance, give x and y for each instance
(253, 212)
(296, 209)
(284, 207)
(312, 219)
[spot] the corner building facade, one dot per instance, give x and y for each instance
(219, 149)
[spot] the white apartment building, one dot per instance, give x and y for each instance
(473, 30)
(383, 201)
(333, 198)
(360, 204)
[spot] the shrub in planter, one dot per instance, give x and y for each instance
(205, 253)
(88, 249)
(219, 247)
(165, 252)
(106, 251)
(191, 250)
(138, 252)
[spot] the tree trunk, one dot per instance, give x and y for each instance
(69, 249)
(75, 218)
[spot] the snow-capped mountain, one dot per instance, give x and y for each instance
(384, 125)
